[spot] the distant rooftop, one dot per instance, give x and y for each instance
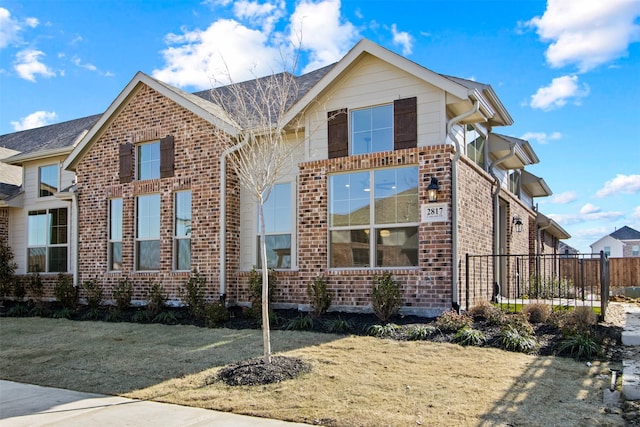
(626, 233)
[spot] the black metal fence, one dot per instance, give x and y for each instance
(557, 280)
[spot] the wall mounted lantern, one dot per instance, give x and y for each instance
(432, 190)
(517, 222)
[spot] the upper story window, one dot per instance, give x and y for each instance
(475, 143)
(182, 231)
(278, 214)
(115, 234)
(635, 250)
(47, 180)
(373, 129)
(47, 240)
(148, 161)
(374, 218)
(515, 182)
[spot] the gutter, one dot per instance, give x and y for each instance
(455, 301)
(496, 210)
(75, 237)
(223, 215)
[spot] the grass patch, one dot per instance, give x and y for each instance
(354, 380)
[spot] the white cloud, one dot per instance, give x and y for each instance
(558, 93)
(10, 28)
(587, 33)
(570, 219)
(28, 65)
(636, 213)
(34, 120)
(78, 63)
(541, 137)
(564, 198)
(589, 209)
(628, 184)
(32, 22)
(197, 57)
(403, 39)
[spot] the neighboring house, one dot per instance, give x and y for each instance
(10, 182)
(622, 243)
(566, 250)
(153, 201)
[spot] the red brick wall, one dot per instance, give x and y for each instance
(149, 116)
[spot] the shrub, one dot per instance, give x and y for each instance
(63, 313)
(114, 315)
(18, 310)
(580, 320)
(537, 312)
(488, 312)
(255, 293)
(165, 317)
(194, 294)
(36, 288)
(215, 313)
(520, 322)
(123, 293)
(319, 296)
(300, 323)
(156, 300)
(451, 321)
(469, 336)
(338, 326)
(514, 340)
(65, 292)
(421, 332)
(580, 346)
(7, 269)
(142, 316)
(93, 292)
(19, 289)
(386, 296)
(383, 330)
(93, 313)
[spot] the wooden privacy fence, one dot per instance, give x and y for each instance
(623, 272)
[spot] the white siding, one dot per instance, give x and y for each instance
(374, 82)
(615, 245)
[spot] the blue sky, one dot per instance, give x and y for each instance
(566, 70)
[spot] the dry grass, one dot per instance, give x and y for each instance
(355, 381)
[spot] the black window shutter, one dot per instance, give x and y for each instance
(126, 163)
(166, 156)
(405, 123)
(338, 133)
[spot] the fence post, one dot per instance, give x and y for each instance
(604, 284)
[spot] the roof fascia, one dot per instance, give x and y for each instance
(553, 227)
(122, 99)
(20, 159)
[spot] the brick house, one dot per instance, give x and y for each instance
(152, 199)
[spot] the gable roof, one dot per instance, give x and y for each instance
(626, 233)
(196, 104)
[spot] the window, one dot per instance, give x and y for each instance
(182, 231)
(148, 232)
(475, 145)
(607, 250)
(635, 250)
(277, 212)
(115, 234)
(148, 166)
(47, 180)
(514, 182)
(383, 236)
(47, 240)
(372, 129)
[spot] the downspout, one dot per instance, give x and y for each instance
(496, 212)
(75, 236)
(455, 301)
(223, 216)
(539, 250)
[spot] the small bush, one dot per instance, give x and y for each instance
(36, 288)
(338, 326)
(114, 315)
(451, 321)
(19, 289)
(300, 323)
(7, 270)
(512, 339)
(386, 296)
(165, 317)
(421, 332)
(123, 293)
(319, 296)
(255, 293)
(65, 292)
(93, 313)
(520, 322)
(537, 312)
(40, 310)
(469, 336)
(580, 346)
(215, 313)
(194, 294)
(383, 330)
(94, 293)
(142, 316)
(156, 300)
(18, 310)
(488, 312)
(580, 320)
(63, 313)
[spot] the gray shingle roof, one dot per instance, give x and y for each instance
(626, 233)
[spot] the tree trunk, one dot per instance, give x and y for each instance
(266, 331)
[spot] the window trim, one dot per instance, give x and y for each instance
(110, 240)
(138, 169)
(54, 166)
(371, 128)
(372, 228)
(137, 239)
(48, 245)
(177, 239)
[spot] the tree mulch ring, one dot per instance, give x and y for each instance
(256, 372)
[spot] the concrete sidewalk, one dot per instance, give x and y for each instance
(32, 405)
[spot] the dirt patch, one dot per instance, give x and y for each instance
(257, 372)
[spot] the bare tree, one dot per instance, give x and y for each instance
(261, 150)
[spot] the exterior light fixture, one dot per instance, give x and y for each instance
(432, 190)
(517, 222)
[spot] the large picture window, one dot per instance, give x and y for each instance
(148, 164)
(277, 226)
(115, 234)
(47, 240)
(148, 232)
(182, 231)
(372, 129)
(383, 236)
(47, 180)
